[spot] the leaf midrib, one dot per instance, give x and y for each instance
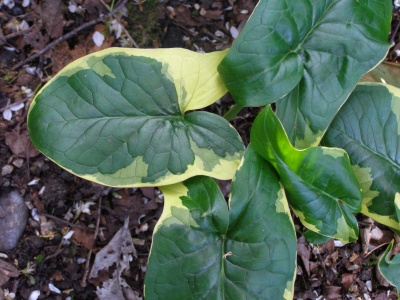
(301, 43)
(317, 23)
(172, 117)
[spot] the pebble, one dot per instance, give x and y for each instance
(18, 162)
(13, 218)
(7, 169)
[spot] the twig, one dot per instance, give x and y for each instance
(123, 27)
(218, 39)
(96, 232)
(377, 247)
(12, 104)
(129, 37)
(65, 222)
(18, 33)
(55, 254)
(69, 35)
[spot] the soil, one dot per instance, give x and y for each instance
(42, 256)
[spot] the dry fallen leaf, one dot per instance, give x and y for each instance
(53, 17)
(396, 248)
(382, 281)
(33, 38)
(211, 15)
(84, 238)
(184, 17)
(148, 192)
(365, 234)
(332, 292)
(348, 279)
(116, 252)
(304, 252)
(7, 270)
(117, 288)
(20, 144)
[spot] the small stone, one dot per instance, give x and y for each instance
(376, 234)
(18, 162)
(234, 32)
(13, 218)
(98, 38)
(7, 169)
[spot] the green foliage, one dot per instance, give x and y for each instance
(390, 267)
(368, 128)
(314, 52)
(315, 238)
(127, 117)
(319, 182)
(117, 117)
(246, 252)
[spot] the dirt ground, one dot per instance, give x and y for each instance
(60, 31)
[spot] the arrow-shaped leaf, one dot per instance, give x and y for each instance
(117, 117)
(314, 50)
(319, 182)
(368, 128)
(201, 250)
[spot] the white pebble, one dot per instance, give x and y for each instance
(34, 295)
(7, 169)
(35, 215)
(98, 38)
(7, 114)
(234, 32)
(54, 289)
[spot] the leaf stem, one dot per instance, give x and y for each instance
(233, 111)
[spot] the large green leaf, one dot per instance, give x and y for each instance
(201, 250)
(319, 182)
(117, 117)
(314, 50)
(368, 128)
(390, 267)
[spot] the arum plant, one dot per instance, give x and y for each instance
(120, 117)
(131, 118)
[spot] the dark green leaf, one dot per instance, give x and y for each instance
(319, 182)
(368, 128)
(390, 267)
(201, 250)
(315, 238)
(314, 50)
(118, 118)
